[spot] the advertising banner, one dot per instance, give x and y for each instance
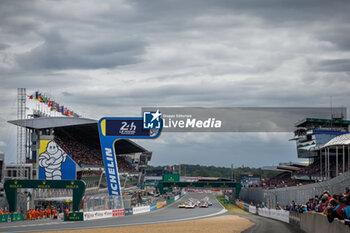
(141, 209)
(103, 214)
(4, 217)
(169, 201)
(128, 211)
(153, 206)
(54, 163)
(171, 177)
(252, 209)
(98, 214)
(75, 216)
(159, 205)
(118, 212)
(281, 215)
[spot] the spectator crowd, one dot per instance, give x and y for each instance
(86, 156)
(334, 206)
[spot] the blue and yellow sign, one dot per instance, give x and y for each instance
(111, 129)
(54, 163)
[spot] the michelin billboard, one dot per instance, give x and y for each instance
(54, 163)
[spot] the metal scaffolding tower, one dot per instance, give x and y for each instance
(21, 132)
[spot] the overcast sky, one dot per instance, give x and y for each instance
(110, 58)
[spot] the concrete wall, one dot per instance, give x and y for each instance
(318, 223)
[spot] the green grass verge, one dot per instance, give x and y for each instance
(232, 208)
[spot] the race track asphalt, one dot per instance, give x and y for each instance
(170, 213)
(267, 225)
(167, 214)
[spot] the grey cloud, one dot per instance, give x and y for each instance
(4, 46)
(62, 53)
(116, 57)
(334, 65)
(65, 93)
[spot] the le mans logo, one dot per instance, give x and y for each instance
(151, 120)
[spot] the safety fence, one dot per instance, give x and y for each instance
(300, 194)
(309, 222)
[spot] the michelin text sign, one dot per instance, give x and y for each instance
(111, 129)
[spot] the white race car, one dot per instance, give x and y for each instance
(190, 205)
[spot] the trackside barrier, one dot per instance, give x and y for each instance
(309, 222)
(246, 207)
(159, 205)
(4, 217)
(128, 211)
(253, 210)
(153, 206)
(103, 214)
(294, 218)
(15, 217)
(281, 215)
(315, 222)
(169, 201)
(141, 209)
(118, 212)
(240, 204)
(74, 216)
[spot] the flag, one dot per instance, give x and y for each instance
(44, 98)
(40, 99)
(49, 102)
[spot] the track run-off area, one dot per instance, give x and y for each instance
(168, 219)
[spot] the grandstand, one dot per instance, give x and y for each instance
(326, 143)
(79, 139)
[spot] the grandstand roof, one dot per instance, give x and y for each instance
(78, 126)
(339, 141)
(280, 168)
(288, 168)
(52, 122)
(295, 164)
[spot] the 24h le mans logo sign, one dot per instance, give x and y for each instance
(111, 129)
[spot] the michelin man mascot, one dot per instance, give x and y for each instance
(52, 160)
